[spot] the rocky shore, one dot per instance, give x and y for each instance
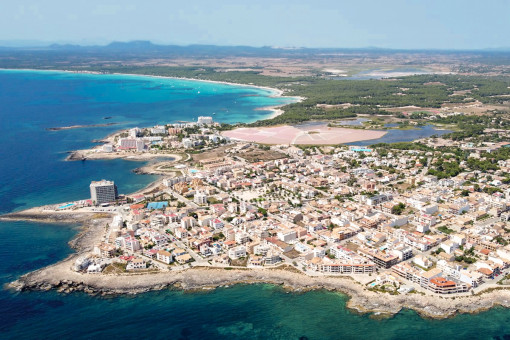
(95, 153)
(362, 300)
(41, 214)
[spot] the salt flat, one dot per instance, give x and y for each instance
(303, 134)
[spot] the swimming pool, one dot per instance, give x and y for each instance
(66, 205)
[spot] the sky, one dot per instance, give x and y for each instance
(405, 24)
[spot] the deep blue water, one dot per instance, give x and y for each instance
(32, 172)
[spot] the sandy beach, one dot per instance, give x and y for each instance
(274, 91)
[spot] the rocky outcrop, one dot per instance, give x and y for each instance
(75, 156)
(361, 299)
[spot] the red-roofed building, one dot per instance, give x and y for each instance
(441, 285)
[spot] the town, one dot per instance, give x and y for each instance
(398, 220)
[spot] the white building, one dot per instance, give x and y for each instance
(237, 252)
(200, 198)
(187, 143)
(287, 235)
(136, 264)
(423, 261)
(81, 263)
(107, 148)
(158, 130)
(103, 191)
(164, 256)
(117, 222)
(422, 228)
(403, 252)
(204, 120)
(127, 143)
(214, 138)
(140, 145)
(135, 132)
(319, 252)
(458, 239)
(449, 246)
(94, 269)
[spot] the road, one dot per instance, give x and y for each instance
(182, 198)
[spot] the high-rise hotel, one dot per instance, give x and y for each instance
(103, 191)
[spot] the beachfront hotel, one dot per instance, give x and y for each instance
(103, 191)
(204, 120)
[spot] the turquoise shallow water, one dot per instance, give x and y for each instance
(32, 172)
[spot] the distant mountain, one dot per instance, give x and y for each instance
(145, 46)
(72, 55)
(133, 45)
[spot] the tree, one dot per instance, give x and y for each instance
(398, 209)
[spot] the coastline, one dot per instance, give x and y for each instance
(276, 109)
(362, 300)
(274, 91)
(60, 277)
(92, 154)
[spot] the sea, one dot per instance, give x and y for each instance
(33, 172)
